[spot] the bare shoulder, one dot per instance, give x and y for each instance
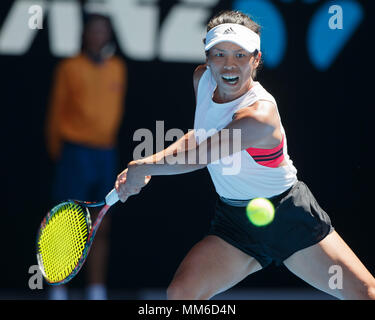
(198, 72)
(262, 110)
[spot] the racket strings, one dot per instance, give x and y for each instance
(62, 241)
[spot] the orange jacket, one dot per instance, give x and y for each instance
(87, 103)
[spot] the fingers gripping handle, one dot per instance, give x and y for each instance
(111, 197)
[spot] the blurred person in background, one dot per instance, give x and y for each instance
(84, 116)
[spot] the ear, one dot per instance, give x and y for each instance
(256, 60)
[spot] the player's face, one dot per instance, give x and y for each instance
(231, 67)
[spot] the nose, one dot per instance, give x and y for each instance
(229, 63)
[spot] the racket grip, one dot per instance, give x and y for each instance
(111, 197)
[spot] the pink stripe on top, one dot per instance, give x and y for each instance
(268, 157)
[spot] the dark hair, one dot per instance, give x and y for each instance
(238, 17)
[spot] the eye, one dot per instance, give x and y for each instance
(240, 55)
(219, 54)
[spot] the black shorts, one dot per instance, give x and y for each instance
(299, 223)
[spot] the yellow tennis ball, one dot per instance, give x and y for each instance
(260, 212)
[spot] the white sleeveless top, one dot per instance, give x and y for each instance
(239, 176)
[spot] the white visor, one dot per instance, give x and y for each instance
(236, 33)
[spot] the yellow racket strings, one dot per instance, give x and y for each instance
(62, 242)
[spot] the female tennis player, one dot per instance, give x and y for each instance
(301, 235)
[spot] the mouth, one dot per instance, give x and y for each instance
(232, 80)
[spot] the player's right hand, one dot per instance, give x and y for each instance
(127, 185)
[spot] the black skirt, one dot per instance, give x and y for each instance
(299, 222)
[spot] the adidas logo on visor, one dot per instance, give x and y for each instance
(229, 30)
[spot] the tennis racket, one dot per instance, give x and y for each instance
(65, 236)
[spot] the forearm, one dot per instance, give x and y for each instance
(178, 158)
(166, 163)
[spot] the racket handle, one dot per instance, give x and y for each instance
(111, 197)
